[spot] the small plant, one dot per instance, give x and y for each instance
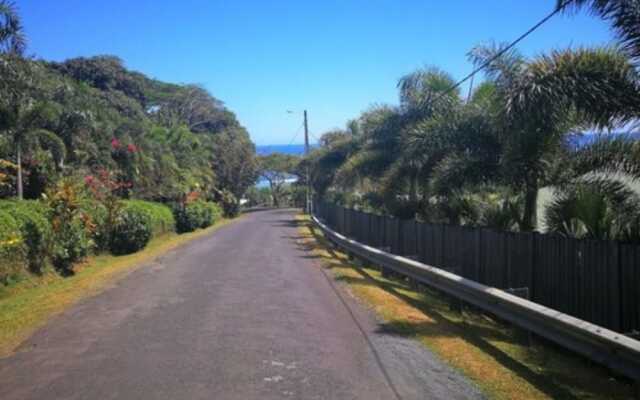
(70, 227)
(105, 210)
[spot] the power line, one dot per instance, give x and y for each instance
(295, 136)
(314, 136)
(503, 51)
(497, 55)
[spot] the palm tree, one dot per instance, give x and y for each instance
(546, 98)
(20, 115)
(596, 208)
(623, 14)
(12, 37)
(26, 133)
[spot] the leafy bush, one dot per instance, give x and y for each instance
(70, 231)
(131, 232)
(35, 229)
(230, 204)
(10, 246)
(97, 220)
(215, 212)
(103, 206)
(160, 216)
(194, 215)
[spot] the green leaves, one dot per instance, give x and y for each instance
(596, 208)
(624, 16)
(12, 37)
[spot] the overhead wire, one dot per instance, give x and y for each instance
(502, 51)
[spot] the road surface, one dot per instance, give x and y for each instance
(241, 314)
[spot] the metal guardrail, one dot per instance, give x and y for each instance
(609, 348)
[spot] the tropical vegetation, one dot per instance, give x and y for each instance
(482, 158)
(95, 157)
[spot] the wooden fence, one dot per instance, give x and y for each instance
(598, 281)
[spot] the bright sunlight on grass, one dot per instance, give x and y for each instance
(492, 354)
(29, 304)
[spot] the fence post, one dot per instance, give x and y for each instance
(478, 255)
(615, 288)
(532, 280)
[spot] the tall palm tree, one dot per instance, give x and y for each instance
(546, 98)
(20, 114)
(26, 134)
(12, 37)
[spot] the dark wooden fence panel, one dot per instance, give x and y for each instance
(409, 243)
(598, 281)
(629, 284)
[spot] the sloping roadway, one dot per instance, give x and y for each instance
(244, 313)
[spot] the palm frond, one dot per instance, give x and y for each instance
(609, 155)
(600, 84)
(624, 16)
(596, 208)
(12, 37)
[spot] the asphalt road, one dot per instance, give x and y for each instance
(244, 314)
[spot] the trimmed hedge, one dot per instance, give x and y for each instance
(160, 216)
(132, 231)
(198, 214)
(11, 246)
(27, 239)
(32, 220)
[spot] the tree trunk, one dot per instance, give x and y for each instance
(274, 194)
(530, 217)
(19, 183)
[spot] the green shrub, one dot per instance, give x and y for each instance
(215, 212)
(191, 216)
(96, 215)
(70, 230)
(160, 216)
(35, 229)
(131, 232)
(230, 204)
(71, 243)
(11, 246)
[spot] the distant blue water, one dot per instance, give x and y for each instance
(298, 149)
(295, 149)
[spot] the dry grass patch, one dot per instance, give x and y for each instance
(29, 304)
(490, 353)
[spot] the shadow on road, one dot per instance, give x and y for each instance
(477, 336)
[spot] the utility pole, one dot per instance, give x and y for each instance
(306, 152)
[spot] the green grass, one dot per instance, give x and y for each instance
(28, 304)
(491, 354)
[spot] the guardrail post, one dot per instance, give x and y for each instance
(523, 293)
(383, 271)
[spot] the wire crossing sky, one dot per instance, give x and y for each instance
(333, 57)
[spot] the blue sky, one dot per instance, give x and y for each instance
(263, 57)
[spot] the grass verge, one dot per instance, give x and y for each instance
(29, 304)
(491, 354)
